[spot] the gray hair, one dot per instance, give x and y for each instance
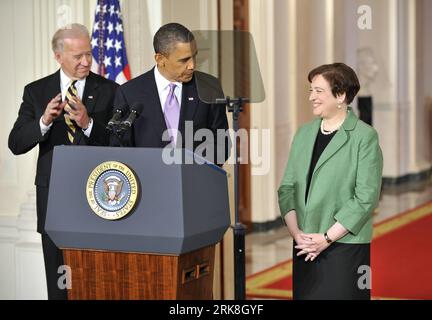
(69, 31)
(169, 35)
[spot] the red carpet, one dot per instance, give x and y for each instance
(401, 261)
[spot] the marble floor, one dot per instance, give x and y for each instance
(265, 249)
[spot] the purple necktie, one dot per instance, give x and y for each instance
(172, 113)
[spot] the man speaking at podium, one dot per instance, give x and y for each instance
(68, 107)
(169, 101)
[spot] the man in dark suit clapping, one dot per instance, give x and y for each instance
(68, 107)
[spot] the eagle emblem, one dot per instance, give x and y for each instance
(113, 186)
(112, 190)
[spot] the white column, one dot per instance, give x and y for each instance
(382, 41)
(8, 238)
(412, 84)
(141, 20)
(424, 66)
(30, 278)
(329, 30)
(263, 180)
(285, 95)
(227, 21)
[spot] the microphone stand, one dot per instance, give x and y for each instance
(117, 130)
(114, 125)
(235, 106)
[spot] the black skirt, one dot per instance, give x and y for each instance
(341, 272)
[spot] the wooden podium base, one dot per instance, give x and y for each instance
(106, 275)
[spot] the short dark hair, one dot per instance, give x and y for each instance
(169, 35)
(342, 79)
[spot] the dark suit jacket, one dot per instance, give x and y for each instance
(148, 128)
(98, 97)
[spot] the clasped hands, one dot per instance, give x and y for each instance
(310, 244)
(75, 110)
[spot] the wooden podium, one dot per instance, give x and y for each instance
(137, 276)
(163, 249)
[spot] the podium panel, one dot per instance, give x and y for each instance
(103, 275)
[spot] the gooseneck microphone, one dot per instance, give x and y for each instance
(136, 110)
(115, 120)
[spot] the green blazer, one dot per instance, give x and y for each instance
(345, 184)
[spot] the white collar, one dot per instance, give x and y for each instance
(162, 82)
(65, 81)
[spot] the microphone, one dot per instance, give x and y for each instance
(115, 120)
(136, 110)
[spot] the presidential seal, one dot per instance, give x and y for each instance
(112, 190)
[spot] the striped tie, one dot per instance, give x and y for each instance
(71, 127)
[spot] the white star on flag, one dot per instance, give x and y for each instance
(118, 61)
(94, 42)
(117, 46)
(110, 27)
(112, 10)
(107, 61)
(109, 44)
(119, 28)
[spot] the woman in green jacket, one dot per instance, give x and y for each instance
(330, 187)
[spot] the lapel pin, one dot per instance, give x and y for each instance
(191, 99)
(90, 97)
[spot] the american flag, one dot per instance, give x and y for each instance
(108, 46)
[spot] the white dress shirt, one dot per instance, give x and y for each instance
(162, 85)
(65, 82)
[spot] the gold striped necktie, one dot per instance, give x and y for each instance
(71, 127)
